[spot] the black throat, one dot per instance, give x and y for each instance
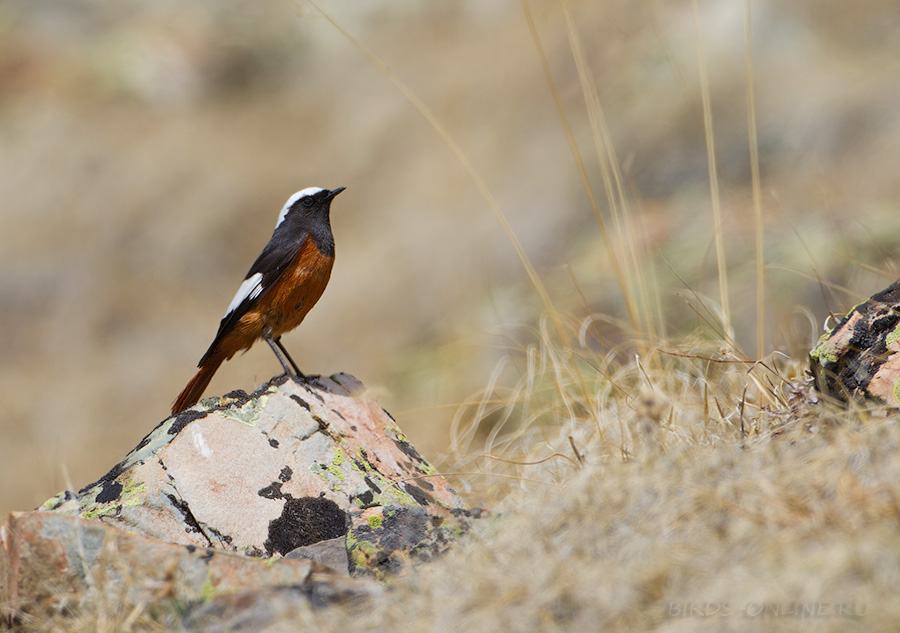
(293, 231)
(321, 234)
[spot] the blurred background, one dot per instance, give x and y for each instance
(146, 149)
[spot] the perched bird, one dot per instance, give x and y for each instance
(281, 287)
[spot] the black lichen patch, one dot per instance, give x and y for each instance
(303, 403)
(362, 465)
(225, 538)
(305, 521)
(424, 483)
(238, 398)
(421, 497)
(313, 385)
(323, 424)
(109, 492)
(277, 381)
(365, 499)
(143, 442)
(272, 491)
(184, 418)
(363, 462)
(114, 472)
(192, 525)
(372, 485)
(263, 389)
(407, 448)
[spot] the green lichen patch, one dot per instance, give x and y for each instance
(823, 355)
(893, 337)
(96, 510)
(335, 471)
(426, 468)
(247, 413)
(131, 494)
(361, 553)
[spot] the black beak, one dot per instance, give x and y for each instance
(334, 192)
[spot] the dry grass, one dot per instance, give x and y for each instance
(651, 474)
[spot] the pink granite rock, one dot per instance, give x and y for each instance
(263, 474)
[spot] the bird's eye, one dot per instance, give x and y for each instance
(308, 201)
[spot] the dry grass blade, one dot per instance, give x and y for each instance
(715, 197)
(756, 187)
(618, 267)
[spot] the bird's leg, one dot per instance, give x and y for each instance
(278, 348)
(297, 371)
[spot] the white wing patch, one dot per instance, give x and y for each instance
(309, 191)
(250, 289)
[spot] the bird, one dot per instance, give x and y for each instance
(279, 290)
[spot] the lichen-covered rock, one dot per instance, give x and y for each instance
(311, 476)
(264, 474)
(383, 539)
(859, 356)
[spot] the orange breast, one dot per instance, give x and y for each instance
(298, 289)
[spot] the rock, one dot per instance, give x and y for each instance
(332, 552)
(51, 563)
(859, 356)
(383, 539)
(306, 473)
(269, 608)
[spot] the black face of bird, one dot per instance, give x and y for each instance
(312, 202)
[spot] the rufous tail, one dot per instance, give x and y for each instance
(195, 388)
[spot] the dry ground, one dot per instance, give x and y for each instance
(144, 153)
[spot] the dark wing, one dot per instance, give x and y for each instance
(264, 272)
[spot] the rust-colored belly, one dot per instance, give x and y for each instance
(299, 288)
